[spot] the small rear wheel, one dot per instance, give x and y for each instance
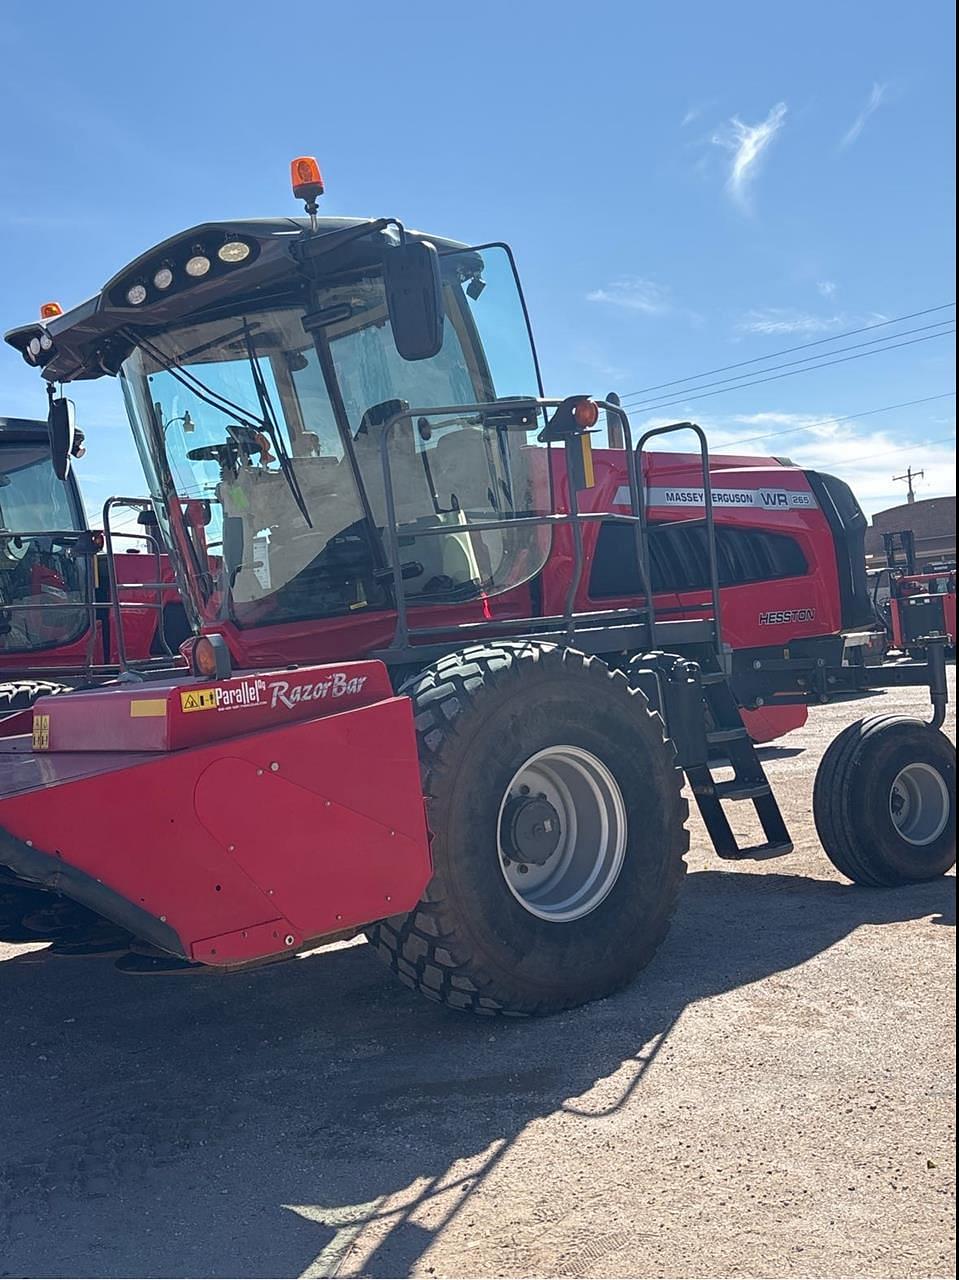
(558, 832)
(884, 801)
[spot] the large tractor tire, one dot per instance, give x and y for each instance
(884, 801)
(17, 695)
(558, 832)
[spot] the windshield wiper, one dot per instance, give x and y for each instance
(265, 424)
(272, 430)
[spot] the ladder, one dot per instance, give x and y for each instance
(749, 782)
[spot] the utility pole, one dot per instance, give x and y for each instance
(909, 477)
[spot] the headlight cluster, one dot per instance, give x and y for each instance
(37, 345)
(198, 263)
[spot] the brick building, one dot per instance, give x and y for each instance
(932, 520)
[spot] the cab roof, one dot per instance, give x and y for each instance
(88, 342)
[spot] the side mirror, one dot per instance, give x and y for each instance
(61, 425)
(414, 298)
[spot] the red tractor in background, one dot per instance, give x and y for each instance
(452, 664)
(922, 602)
(59, 621)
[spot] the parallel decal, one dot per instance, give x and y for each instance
(764, 499)
(258, 691)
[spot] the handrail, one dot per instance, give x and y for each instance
(518, 415)
(116, 606)
(706, 519)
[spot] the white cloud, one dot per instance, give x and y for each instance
(748, 142)
(784, 320)
(827, 288)
(873, 103)
(634, 294)
(865, 458)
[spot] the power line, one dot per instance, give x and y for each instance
(807, 360)
(786, 351)
(792, 373)
(883, 453)
(848, 417)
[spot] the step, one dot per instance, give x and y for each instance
(712, 677)
(742, 790)
(726, 735)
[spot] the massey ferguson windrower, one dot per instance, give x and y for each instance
(451, 663)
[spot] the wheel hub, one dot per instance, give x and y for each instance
(919, 803)
(531, 829)
(561, 833)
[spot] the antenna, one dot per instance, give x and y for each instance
(909, 477)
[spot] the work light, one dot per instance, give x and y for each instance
(198, 265)
(233, 251)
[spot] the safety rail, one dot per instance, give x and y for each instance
(67, 539)
(523, 415)
(707, 520)
(116, 604)
(97, 610)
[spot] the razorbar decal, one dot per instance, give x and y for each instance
(764, 499)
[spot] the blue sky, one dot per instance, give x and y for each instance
(685, 187)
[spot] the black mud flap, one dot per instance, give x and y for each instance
(36, 867)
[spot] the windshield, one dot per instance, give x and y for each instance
(35, 570)
(271, 441)
(32, 499)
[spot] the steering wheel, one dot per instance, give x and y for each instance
(225, 452)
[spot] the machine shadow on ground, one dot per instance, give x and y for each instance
(164, 1126)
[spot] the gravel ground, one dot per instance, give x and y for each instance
(773, 1097)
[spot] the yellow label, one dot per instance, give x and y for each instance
(41, 732)
(587, 445)
(198, 700)
(141, 707)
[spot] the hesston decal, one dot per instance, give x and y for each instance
(260, 692)
(775, 617)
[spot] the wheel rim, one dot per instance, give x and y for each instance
(563, 872)
(919, 803)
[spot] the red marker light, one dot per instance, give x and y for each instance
(586, 413)
(306, 178)
(50, 311)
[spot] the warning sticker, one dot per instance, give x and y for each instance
(41, 732)
(198, 700)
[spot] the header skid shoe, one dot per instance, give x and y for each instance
(223, 822)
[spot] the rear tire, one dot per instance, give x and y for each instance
(884, 801)
(18, 695)
(495, 932)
